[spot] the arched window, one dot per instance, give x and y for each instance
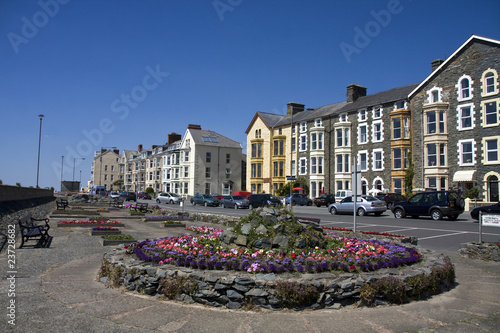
(364, 186)
(489, 80)
(465, 88)
(493, 195)
(378, 184)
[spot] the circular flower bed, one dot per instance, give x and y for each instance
(206, 251)
(89, 222)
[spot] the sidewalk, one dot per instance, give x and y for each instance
(56, 291)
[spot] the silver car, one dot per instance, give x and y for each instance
(168, 197)
(365, 204)
(234, 201)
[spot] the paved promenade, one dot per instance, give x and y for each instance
(56, 291)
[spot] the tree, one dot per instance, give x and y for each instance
(300, 182)
(150, 190)
(410, 173)
(119, 183)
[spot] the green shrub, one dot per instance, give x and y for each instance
(173, 287)
(293, 294)
(118, 237)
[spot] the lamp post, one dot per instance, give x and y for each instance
(74, 160)
(100, 163)
(62, 167)
(39, 143)
(80, 180)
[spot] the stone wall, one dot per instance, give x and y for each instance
(16, 193)
(215, 219)
(482, 251)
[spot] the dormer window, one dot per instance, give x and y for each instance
(377, 112)
(343, 117)
(362, 115)
(303, 127)
(317, 122)
(434, 95)
(400, 105)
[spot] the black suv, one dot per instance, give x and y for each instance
(128, 196)
(260, 200)
(324, 200)
(391, 198)
(435, 204)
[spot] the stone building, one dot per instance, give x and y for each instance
(105, 168)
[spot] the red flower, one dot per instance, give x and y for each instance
(352, 267)
(293, 255)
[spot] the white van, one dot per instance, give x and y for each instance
(341, 194)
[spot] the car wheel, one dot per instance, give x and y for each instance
(378, 214)
(453, 217)
(461, 203)
(399, 214)
(318, 205)
(171, 201)
(389, 205)
(158, 201)
(309, 203)
(333, 211)
(436, 215)
(206, 204)
(294, 203)
(361, 212)
(250, 206)
(235, 206)
(193, 203)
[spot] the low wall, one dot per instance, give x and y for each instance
(17, 193)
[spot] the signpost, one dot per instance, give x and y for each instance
(488, 220)
(356, 187)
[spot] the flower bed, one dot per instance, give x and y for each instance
(206, 251)
(88, 223)
(105, 230)
(109, 240)
(165, 218)
(174, 224)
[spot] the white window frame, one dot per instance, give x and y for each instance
(364, 152)
(320, 165)
(460, 88)
(460, 144)
(314, 165)
(460, 116)
(374, 132)
(485, 141)
(484, 83)
(362, 115)
(339, 162)
(318, 122)
(394, 159)
(393, 128)
(483, 112)
(303, 127)
(359, 133)
(374, 160)
(343, 117)
(303, 142)
(374, 112)
(303, 166)
(430, 94)
(398, 108)
(314, 141)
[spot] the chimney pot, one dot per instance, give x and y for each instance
(436, 63)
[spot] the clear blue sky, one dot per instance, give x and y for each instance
(130, 72)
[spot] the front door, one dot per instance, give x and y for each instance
(493, 189)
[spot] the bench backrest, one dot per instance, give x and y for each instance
(26, 221)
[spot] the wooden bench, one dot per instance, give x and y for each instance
(35, 229)
(141, 207)
(116, 202)
(62, 204)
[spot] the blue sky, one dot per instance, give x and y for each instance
(123, 73)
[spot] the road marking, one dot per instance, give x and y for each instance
(445, 235)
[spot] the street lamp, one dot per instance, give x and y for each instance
(39, 143)
(74, 159)
(100, 163)
(62, 167)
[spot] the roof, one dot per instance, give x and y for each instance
(471, 39)
(311, 114)
(383, 97)
(269, 119)
(211, 138)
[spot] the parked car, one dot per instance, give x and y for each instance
(365, 204)
(298, 199)
(217, 196)
(341, 194)
(435, 204)
(128, 196)
(144, 195)
(324, 200)
(234, 201)
(391, 198)
(494, 209)
(260, 200)
(204, 199)
(168, 197)
(113, 194)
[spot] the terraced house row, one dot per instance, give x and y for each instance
(447, 127)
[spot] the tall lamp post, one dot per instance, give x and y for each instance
(62, 168)
(100, 163)
(39, 143)
(74, 160)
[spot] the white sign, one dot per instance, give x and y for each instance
(490, 220)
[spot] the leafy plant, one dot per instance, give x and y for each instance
(293, 294)
(113, 274)
(173, 287)
(409, 174)
(150, 190)
(300, 182)
(118, 237)
(472, 193)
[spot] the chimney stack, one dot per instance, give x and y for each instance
(139, 148)
(172, 137)
(294, 107)
(436, 63)
(194, 127)
(355, 91)
(116, 151)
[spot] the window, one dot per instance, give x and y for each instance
(228, 158)
(207, 173)
(303, 142)
(259, 149)
(276, 147)
(431, 154)
(432, 182)
(400, 105)
(320, 141)
(282, 147)
(405, 157)
(343, 117)
(208, 157)
(434, 95)
(293, 144)
(442, 154)
(464, 88)
(320, 165)
(302, 166)
(441, 122)
(378, 159)
(207, 188)
(282, 169)
(363, 133)
(317, 122)
(112, 168)
(396, 158)
(314, 141)
(186, 156)
(346, 163)
(105, 168)
(397, 184)
(276, 169)
(443, 183)
(431, 122)
(489, 82)
(465, 117)
(377, 131)
(339, 185)
(363, 160)
(313, 165)
(362, 115)
(377, 112)
(406, 127)
(339, 137)
(212, 138)
(491, 150)
(346, 137)
(466, 152)
(280, 131)
(293, 168)
(490, 116)
(396, 128)
(259, 170)
(303, 127)
(186, 172)
(254, 170)
(340, 163)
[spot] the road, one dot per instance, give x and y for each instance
(440, 236)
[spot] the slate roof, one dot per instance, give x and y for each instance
(387, 96)
(222, 141)
(309, 114)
